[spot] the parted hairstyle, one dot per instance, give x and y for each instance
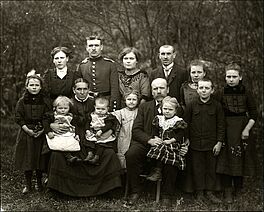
(196, 62)
(126, 94)
(62, 99)
(127, 50)
(57, 49)
(80, 80)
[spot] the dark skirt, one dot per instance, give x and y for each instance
(237, 156)
(28, 152)
(82, 179)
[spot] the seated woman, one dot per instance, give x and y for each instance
(83, 179)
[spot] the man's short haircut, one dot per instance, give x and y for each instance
(206, 79)
(102, 100)
(95, 37)
(167, 46)
(162, 79)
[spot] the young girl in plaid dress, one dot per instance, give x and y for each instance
(170, 128)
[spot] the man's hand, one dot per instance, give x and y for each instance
(154, 141)
(183, 150)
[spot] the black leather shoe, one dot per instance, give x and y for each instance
(213, 198)
(166, 203)
(133, 198)
(39, 187)
(95, 160)
(90, 156)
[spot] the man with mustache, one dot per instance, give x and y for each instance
(170, 71)
(142, 140)
(100, 72)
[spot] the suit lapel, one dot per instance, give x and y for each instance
(172, 75)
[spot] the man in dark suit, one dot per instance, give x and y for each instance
(141, 142)
(170, 71)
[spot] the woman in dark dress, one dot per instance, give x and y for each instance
(59, 80)
(83, 179)
(132, 77)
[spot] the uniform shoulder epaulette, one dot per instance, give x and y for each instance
(108, 59)
(85, 60)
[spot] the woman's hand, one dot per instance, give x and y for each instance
(58, 128)
(50, 135)
(38, 133)
(106, 134)
(245, 134)
(217, 148)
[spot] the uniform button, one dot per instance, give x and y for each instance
(94, 88)
(93, 66)
(93, 79)
(93, 75)
(94, 83)
(93, 70)
(93, 63)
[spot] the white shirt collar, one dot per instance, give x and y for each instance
(81, 100)
(168, 69)
(61, 72)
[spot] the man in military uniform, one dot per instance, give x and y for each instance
(100, 72)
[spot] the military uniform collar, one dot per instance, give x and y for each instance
(95, 58)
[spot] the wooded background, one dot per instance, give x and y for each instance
(216, 31)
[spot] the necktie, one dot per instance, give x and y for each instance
(159, 108)
(166, 71)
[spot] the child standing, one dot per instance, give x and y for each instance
(188, 91)
(206, 128)
(63, 117)
(99, 122)
(30, 111)
(170, 128)
(126, 117)
(237, 156)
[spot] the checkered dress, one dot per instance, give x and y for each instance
(167, 129)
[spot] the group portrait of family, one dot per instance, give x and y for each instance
(100, 127)
(132, 105)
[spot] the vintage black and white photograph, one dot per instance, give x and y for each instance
(131, 105)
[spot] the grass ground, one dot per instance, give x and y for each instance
(249, 199)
